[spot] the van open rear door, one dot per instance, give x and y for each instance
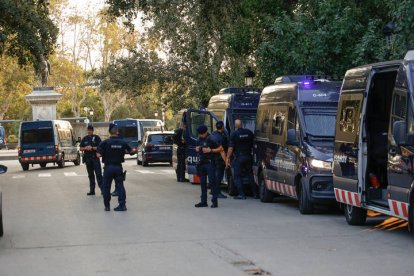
(194, 118)
(345, 166)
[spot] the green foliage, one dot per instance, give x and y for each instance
(30, 33)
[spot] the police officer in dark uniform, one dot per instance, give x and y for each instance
(207, 150)
(113, 151)
(179, 140)
(221, 136)
(240, 145)
(88, 145)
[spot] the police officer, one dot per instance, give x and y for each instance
(180, 142)
(113, 151)
(89, 145)
(221, 136)
(240, 145)
(207, 150)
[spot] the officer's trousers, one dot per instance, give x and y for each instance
(243, 167)
(113, 172)
(93, 166)
(180, 167)
(205, 170)
(219, 168)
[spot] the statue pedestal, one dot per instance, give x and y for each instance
(43, 101)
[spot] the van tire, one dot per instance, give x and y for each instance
(144, 162)
(43, 165)
(61, 163)
(77, 160)
(25, 167)
(355, 215)
(266, 196)
(305, 205)
(231, 188)
(1, 215)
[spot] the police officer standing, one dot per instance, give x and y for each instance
(221, 136)
(240, 145)
(113, 151)
(207, 150)
(180, 142)
(89, 145)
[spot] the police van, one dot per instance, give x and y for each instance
(192, 118)
(294, 141)
(231, 104)
(42, 142)
(374, 145)
(132, 130)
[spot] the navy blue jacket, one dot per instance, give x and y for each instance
(92, 141)
(113, 150)
(242, 141)
(208, 142)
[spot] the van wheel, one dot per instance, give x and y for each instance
(144, 162)
(305, 205)
(355, 215)
(61, 163)
(78, 160)
(43, 165)
(1, 215)
(231, 188)
(25, 167)
(264, 193)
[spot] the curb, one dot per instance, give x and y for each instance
(11, 157)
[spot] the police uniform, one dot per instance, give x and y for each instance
(222, 139)
(179, 141)
(205, 168)
(241, 140)
(113, 151)
(92, 162)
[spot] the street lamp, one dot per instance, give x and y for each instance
(156, 114)
(389, 32)
(248, 77)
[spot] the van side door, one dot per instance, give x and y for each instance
(401, 143)
(347, 136)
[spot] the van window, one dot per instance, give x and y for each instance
(197, 119)
(348, 117)
(33, 136)
(65, 137)
(278, 123)
(263, 122)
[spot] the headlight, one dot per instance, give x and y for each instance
(319, 164)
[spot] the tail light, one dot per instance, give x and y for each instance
(374, 181)
(148, 147)
(56, 149)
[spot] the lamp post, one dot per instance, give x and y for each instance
(388, 31)
(156, 114)
(91, 114)
(248, 77)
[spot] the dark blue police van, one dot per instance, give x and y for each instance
(231, 104)
(42, 142)
(295, 134)
(192, 118)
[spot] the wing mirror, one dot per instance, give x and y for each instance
(3, 169)
(291, 138)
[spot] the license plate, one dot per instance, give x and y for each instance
(164, 148)
(29, 151)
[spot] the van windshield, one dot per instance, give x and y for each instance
(248, 120)
(34, 136)
(320, 122)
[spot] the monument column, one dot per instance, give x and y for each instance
(43, 101)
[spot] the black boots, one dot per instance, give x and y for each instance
(120, 208)
(201, 204)
(91, 193)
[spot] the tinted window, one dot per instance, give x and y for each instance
(164, 139)
(320, 122)
(31, 136)
(349, 116)
(248, 120)
(128, 131)
(197, 119)
(278, 123)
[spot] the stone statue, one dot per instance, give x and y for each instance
(44, 71)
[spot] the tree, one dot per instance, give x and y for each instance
(28, 29)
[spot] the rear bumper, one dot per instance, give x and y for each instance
(158, 156)
(39, 159)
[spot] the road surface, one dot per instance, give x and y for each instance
(53, 228)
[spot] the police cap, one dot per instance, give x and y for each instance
(112, 126)
(90, 127)
(219, 125)
(202, 129)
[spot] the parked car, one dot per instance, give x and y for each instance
(42, 142)
(156, 147)
(374, 142)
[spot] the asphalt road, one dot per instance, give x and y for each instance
(53, 228)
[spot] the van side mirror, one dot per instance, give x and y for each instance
(399, 132)
(291, 138)
(3, 169)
